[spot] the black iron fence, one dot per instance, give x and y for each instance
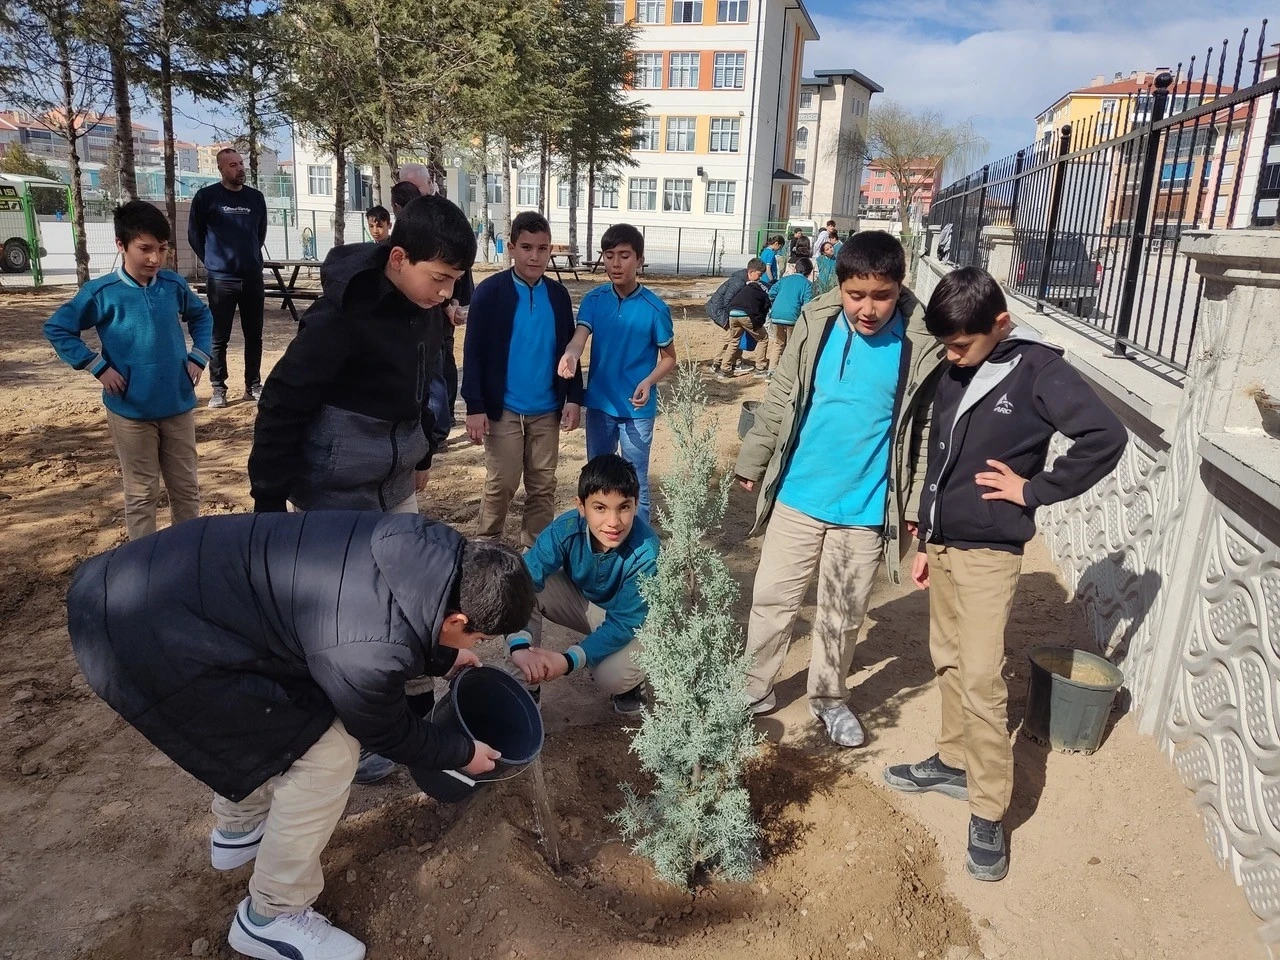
(1095, 211)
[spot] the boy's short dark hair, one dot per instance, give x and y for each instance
(495, 591)
(831, 224)
(530, 221)
(138, 218)
(756, 264)
(623, 233)
(608, 473)
(804, 266)
(967, 300)
(404, 193)
(872, 253)
(378, 214)
(432, 228)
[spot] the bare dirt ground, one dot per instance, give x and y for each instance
(103, 853)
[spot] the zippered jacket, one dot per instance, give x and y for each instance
(718, 305)
(1007, 409)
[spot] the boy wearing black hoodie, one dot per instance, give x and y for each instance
(1004, 396)
(747, 312)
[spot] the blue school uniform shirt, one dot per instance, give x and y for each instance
(626, 335)
(839, 470)
(770, 258)
(140, 330)
(530, 391)
(789, 295)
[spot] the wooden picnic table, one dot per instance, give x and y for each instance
(567, 253)
(288, 291)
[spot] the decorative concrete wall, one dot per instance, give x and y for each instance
(1175, 558)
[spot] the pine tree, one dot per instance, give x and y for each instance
(698, 733)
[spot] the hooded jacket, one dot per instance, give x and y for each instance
(718, 305)
(232, 642)
(753, 300)
(343, 422)
(1007, 409)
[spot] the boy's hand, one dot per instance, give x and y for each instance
(554, 665)
(913, 529)
(571, 418)
(420, 478)
(112, 382)
(483, 760)
(920, 571)
(530, 664)
(641, 396)
(466, 658)
(194, 371)
(477, 427)
(747, 485)
(1004, 484)
(569, 364)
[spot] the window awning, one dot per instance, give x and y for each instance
(786, 176)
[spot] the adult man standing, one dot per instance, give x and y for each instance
(227, 229)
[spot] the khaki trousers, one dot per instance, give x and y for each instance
(778, 344)
(149, 450)
(970, 596)
(563, 603)
(731, 352)
(301, 807)
(520, 446)
(846, 559)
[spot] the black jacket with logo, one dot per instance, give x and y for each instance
(1007, 409)
(753, 300)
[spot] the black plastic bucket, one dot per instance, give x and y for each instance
(747, 418)
(488, 705)
(1070, 698)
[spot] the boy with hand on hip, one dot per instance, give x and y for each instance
(147, 371)
(998, 404)
(836, 457)
(634, 349)
(521, 322)
(586, 568)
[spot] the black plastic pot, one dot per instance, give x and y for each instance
(485, 704)
(1070, 698)
(747, 418)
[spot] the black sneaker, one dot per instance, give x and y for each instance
(988, 850)
(219, 398)
(931, 774)
(631, 702)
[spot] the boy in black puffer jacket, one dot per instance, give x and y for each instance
(747, 312)
(1005, 395)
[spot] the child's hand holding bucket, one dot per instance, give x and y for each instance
(483, 760)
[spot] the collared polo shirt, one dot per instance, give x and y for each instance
(531, 359)
(626, 335)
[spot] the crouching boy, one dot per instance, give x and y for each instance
(260, 652)
(997, 406)
(586, 568)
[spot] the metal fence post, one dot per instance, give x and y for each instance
(1137, 236)
(286, 235)
(679, 239)
(1055, 207)
(1017, 187)
(982, 205)
(715, 246)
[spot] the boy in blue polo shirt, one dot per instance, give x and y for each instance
(634, 350)
(148, 373)
(770, 257)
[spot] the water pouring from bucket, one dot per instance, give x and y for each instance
(485, 704)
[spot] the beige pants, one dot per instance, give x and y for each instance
(847, 559)
(778, 344)
(520, 446)
(563, 603)
(301, 807)
(149, 450)
(731, 352)
(970, 596)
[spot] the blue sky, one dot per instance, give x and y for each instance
(1001, 62)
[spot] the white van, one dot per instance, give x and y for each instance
(15, 251)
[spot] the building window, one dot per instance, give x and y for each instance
(1228, 172)
(878, 188)
(642, 193)
(647, 135)
(798, 167)
(648, 71)
(686, 11)
(677, 196)
(320, 180)
(802, 137)
(683, 73)
(724, 134)
(731, 71)
(613, 10)
(562, 194)
(797, 200)
(606, 193)
(732, 11)
(651, 11)
(806, 100)
(680, 135)
(493, 188)
(720, 196)
(529, 188)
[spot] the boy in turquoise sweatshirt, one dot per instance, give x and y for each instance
(789, 295)
(147, 371)
(586, 567)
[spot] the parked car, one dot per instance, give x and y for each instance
(15, 249)
(1075, 275)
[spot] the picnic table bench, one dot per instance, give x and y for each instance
(569, 255)
(288, 292)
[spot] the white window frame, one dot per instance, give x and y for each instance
(799, 166)
(645, 190)
(721, 195)
(730, 72)
(802, 137)
(562, 194)
(726, 133)
(683, 70)
(797, 200)
(681, 129)
(806, 99)
(528, 188)
(677, 195)
(651, 11)
(648, 73)
(732, 11)
(615, 11)
(606, 193)
(686, 11)
(319, 180)
(648, 135)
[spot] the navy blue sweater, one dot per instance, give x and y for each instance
(484, 352)
(227, 230)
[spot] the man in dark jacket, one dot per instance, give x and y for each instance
(521, 321)
(718, 305)
(343, 422)
(747, 312)
(259, 652)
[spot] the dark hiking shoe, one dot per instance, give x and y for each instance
(219, 398)
(631, 702)
(931, 774)
(373, 768)
(988, 850)
(253, 392)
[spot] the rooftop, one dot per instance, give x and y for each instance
(825, 78)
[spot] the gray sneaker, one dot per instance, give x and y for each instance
(253, 392)
(219, 398)
(766, 704)
(373, 768)
(928, 775)
(842, 726)
(988, 857)
(631, 702)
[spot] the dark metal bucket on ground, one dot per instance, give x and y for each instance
(485, 704)
(1070, 698)
(747, 418)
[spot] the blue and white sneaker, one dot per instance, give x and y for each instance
(294, 936)
(230, 850)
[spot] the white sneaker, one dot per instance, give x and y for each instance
(842, 726)
(229, 852)
(766, 704)
(295, 936)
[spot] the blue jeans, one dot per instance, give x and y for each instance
(631, 438)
